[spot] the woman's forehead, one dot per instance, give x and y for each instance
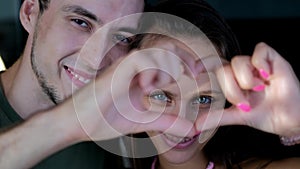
(195, 48)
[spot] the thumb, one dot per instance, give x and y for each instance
(216, 118)
(170, 124)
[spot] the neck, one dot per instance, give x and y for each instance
(198, 161)
(22, 89)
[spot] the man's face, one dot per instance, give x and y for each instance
(62, 31)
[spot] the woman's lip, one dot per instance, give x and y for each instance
(179, 144)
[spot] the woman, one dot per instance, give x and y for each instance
(177, 36)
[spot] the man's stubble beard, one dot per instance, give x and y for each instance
(48, 89)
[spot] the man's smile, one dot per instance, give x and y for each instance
(79, 78)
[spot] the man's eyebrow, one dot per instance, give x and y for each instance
(80, 11)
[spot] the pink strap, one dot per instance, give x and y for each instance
(153, 163)
(210, 165)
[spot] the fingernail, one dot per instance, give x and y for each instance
(264, 74)
(244, 107)
(259, 88)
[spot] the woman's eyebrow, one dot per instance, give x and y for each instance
(170, 94)
(81, 11)
(133, 31)
(208, 92)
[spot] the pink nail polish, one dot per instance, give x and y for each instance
(264, 74)
(244, 107)
(259, 88)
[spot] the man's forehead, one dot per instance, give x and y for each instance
(105, 9)
(117, 13)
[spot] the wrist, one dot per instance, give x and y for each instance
(67, 123)
(59, 126)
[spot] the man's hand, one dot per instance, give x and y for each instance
(112, 105)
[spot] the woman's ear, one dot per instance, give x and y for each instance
(29, 13)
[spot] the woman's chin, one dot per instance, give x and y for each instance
(178, 158)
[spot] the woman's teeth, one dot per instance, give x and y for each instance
(176, 139)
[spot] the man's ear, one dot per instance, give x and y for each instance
(29, 13)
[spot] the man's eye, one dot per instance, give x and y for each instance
(122, 40)
(203, 100)
(83, 24)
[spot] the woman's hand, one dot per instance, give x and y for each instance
(264, 92)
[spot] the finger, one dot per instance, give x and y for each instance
(232, 91)
(169, 124)
(223, 117)
(246, 74)
(157, 68)
(227, 81)
(154, 79)
(185, 58)
(188, 62)
(163, 80)
(264, 58)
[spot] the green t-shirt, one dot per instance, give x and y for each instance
(87, 155)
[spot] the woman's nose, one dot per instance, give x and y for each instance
(187, 111)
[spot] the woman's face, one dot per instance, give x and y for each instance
(189, 97)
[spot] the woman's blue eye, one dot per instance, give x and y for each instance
(203, 100)
(160, 97)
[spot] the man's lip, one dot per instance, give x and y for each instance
(78, 77)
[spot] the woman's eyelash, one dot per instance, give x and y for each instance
(161, 96)
(122, 39)
(203, 100)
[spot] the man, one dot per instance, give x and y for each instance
(38, 117)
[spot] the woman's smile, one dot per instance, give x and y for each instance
(179, 142)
